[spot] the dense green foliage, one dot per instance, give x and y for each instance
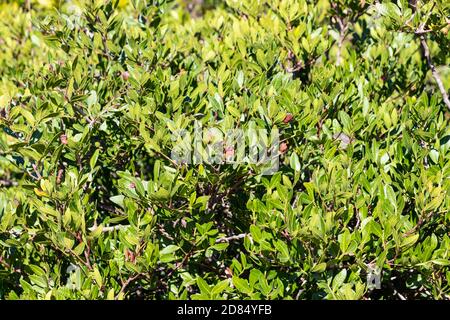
(93, 207)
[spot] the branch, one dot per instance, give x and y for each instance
(228, 239)
(8, 183)
(420, 32)
(437, 78)
(109, 229)
(164, 232)
(426, 51)
(27, 5)
(343, 27)
(126, 283)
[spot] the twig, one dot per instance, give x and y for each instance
(437, 78)
(36, 171)
(164, 232)
(8, 266)
(8, 183)
(421, 221)
(426, 52)
(300, 291)
(419, 32)
(235, 186)
(109, 229)
(343, 27)
(228, 239)
(27, 5)
(86, 263)
(185, 259)
(87, 255)
(400, 296)
(126, 284)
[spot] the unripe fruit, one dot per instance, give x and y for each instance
(125, 75)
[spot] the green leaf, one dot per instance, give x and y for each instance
(98, 277)
(40, 281)
(169, 249)
(203, 286)
(408, 241)
(220, 287)
(94, 158)
(110, 295)
(339, 279)
(118, 200)
(92, 99)
(320, 267)
(295, 162)
(256, 233)
(242, 285)
(441, 262)
(283, 251)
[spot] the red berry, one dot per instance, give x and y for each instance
(288, 118)
(229, 152)
(125, 75)
(283, 147)
(63, 139)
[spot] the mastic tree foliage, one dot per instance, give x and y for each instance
(92, 206)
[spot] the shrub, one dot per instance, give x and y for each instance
(93, 204)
